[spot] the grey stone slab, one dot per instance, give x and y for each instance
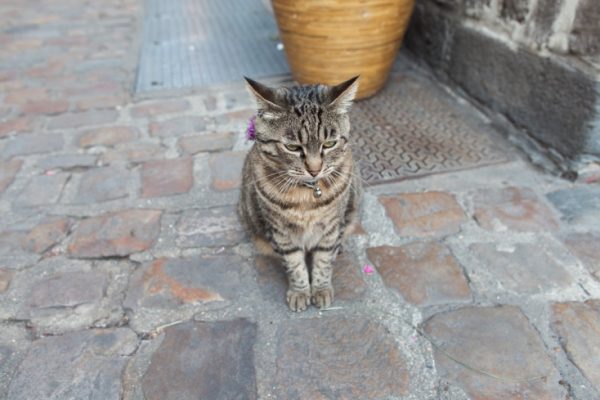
(8, 171)
(171, 283)
(68, 290)
(103, 184)
(578, 204)
(42, 190)
(68, 161)
(209, 227)
(522, 268)
(204, 360)
(500, 342)
(14, 342)
(577, 325)
(58, 295)
(115, 234)
(78, 365)
(338, 357)
(32, 144)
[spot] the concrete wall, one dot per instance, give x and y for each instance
(537, 62)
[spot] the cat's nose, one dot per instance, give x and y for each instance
(313, 165)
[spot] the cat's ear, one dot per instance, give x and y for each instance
(342, 95)
(266, 99)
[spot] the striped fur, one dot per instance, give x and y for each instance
(277, 207)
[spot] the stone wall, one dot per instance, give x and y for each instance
(537, 62)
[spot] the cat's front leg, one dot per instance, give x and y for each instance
(298, 293)
(322, 270)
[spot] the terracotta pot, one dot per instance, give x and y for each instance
(329, 41)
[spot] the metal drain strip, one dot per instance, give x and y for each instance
(411, 128)
(196, 43)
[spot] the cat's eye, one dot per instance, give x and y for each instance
(293, 147)
(329, 144)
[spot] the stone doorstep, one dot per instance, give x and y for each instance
(550, 97)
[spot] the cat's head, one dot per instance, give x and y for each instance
(304, 129)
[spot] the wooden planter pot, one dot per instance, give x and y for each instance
(329, 41)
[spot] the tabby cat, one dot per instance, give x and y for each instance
(300, 189)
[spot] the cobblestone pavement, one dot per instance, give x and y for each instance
(124, 273)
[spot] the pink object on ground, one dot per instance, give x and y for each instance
(368, 269)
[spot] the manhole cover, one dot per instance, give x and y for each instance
(412, 128)
(195, 43)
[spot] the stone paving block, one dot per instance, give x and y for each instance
(68, 161)
(46, 234)
(24, 95)
(103, 184)
(578, 327)
(338, 357)
(15, 125)
(8, 171)
(5, 277)
(348, 283)
(99, 102)
(48, 107)
(425, 273)
(578, 204)
(517, 209)
(585, 246)
(81, 119)
(115, 234)
(271, 277)
(178, 126)
(32, 144)
(107, 136)
(60, 295)
(78, 365)
(208, 227)
(150, 109)
(42, 190)
(14, 342)
(497, 341)
(133, 153)
(204, 360)
(207, 142)
(167, 177)
(430, 214)
(236, 118)
(210, 103)
(522, 268)
(226, 169)
(68, 289)
(10, 242)
(168, 283)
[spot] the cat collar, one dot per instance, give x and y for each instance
(315, 187)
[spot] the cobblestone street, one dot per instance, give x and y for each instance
(124, 272)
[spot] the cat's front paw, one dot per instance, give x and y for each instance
(322, 297)
(298, 300)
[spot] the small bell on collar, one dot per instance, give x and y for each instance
(317, 191)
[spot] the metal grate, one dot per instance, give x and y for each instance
(194, 43)
(412, 128)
